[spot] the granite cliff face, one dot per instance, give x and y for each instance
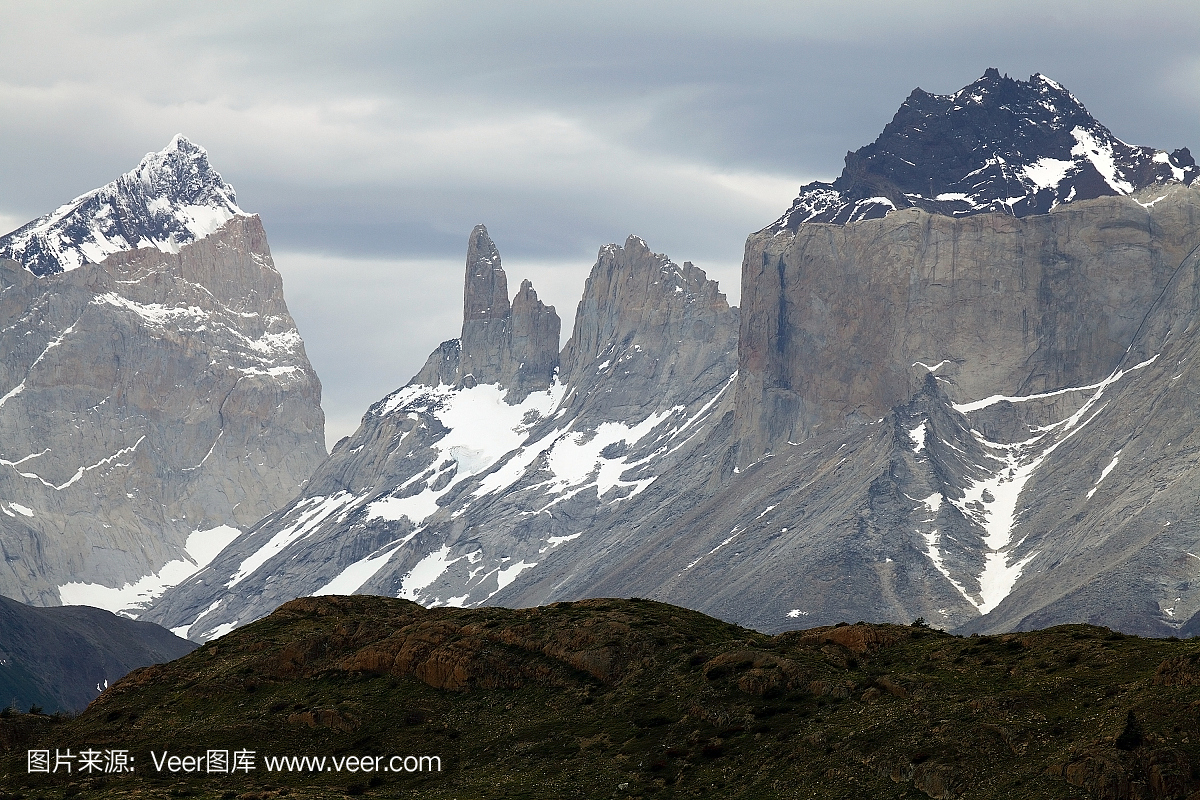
(1012, 245)
(453, 489)
(842, 322)
(152, 404)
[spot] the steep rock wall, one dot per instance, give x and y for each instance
(142, 400)
(841, 322)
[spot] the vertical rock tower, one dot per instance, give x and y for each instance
(512, 344)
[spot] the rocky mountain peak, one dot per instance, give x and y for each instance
(996, 145)
(460, 486)
(169, 199)
(512, 344)
(485, 294)
(665, 329)
(630, 291)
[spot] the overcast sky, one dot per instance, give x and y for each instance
(371, 137)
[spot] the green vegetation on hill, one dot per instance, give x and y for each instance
(632, 698)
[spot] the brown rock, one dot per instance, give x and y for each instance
(1178, 671)
(324, 718)
(856, 638)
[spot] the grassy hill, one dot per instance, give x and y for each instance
(632, 698)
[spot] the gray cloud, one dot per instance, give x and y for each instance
(372, 137)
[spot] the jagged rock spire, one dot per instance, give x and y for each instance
(486, 312)
(513, 344)
(485, 290)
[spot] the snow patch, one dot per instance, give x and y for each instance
(221, 630)
(507, 575)
(351, 579)
(201, 547)
(1047, 173)
(1104, 473)
(575, 457)
(918, 435)
(482, 430)
(155, 314)
(416, 508)
(1102, 158)
(933, 504)
(1017, 464)
(425, 572)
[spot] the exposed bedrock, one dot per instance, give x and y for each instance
(513, 344)
(840, 323)
(143, 399)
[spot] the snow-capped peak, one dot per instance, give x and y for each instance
(996, 145)
(171, 198)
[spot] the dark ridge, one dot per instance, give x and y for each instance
(56, 657)
(635, 698)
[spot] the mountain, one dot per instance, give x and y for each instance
(632, 698)
(1004, 498)
(500, 451)
(173, 197)
(998, 145)
(154, 400)
(979, 416)
(62, 658)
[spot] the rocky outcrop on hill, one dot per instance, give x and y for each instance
(152, 405)
(451, 490)
(61, 658)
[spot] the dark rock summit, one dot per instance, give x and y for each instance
(998, 145)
